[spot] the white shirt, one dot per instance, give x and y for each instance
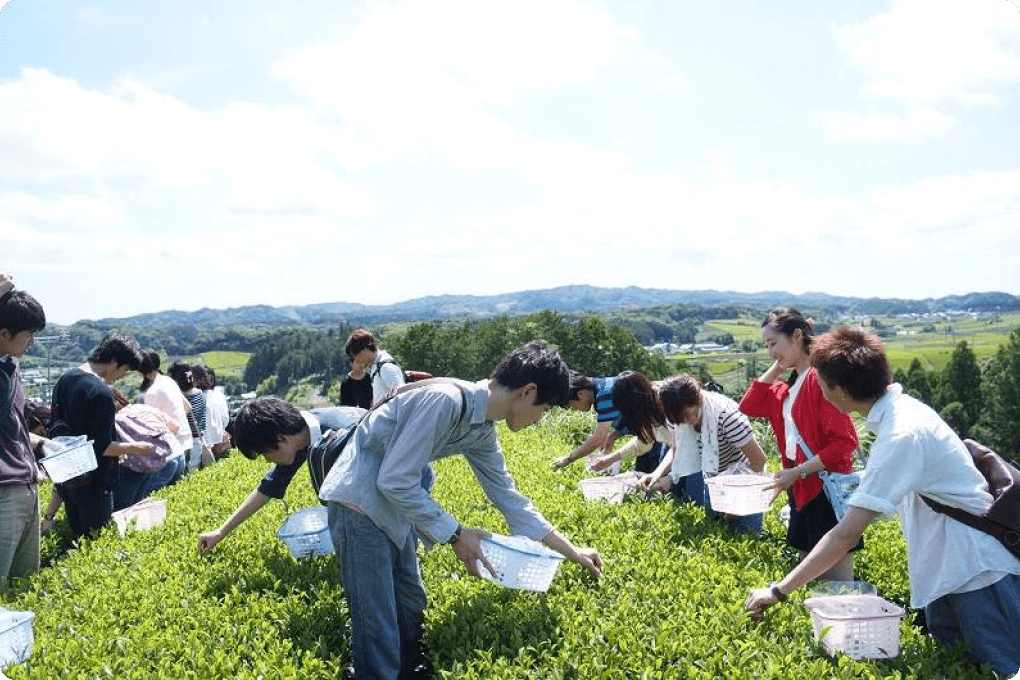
(165, 395)
(217, 415)
(916, 452)
(386, 375)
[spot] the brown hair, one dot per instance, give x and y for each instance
(677, 393)
(854, 359)
(359, 340)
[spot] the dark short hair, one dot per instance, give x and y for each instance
(677, 393)
(636, 400)
(854, 359)
(180, 371)
(578, 382)
(37, 414)
(201, 375)
(260, 423)
(359, 340)
(19, 312)
(535, 362)
(120, 349)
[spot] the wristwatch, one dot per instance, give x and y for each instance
(456, 535)
(777, 593)
(802, 473)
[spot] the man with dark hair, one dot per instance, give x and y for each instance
(21, 317)
(365, 356)
(83, 404)
(377, 501)
(967, 582)
(271, 427)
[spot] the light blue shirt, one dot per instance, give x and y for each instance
(380, 471)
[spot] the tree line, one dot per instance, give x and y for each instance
(980, 400)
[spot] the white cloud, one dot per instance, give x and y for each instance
(917, 124)
(927, 56)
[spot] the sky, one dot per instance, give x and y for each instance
(178, 155)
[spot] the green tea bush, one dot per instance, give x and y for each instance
(670, 603)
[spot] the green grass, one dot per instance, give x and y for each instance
(226, 363)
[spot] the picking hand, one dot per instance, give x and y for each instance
(208, 541)
(469, 551)
(758, 601)
(590, 559)
(563, 462)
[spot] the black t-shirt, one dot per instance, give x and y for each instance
(356, 392)
(85, 402)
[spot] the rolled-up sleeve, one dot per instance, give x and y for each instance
(276, 481)
(430, 416)
(887, 479)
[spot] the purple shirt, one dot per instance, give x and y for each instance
(17, 463)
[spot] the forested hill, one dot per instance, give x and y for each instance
(565, 299)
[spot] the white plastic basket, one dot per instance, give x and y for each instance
(144, 514)
(740, 494)
(74, 457)
(860, 626)
(306, 532)
(15, 636)
(611, 489)
(519, 562)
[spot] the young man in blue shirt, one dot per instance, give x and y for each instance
(377, 501)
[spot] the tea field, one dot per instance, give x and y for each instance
(670, 604)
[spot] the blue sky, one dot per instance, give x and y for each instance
(158, 155)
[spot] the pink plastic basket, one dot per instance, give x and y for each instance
(144, 514)
(611, 489)
(740, 494)
(860, 626)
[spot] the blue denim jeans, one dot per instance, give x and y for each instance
(171, 472)
(130, 488)
(693, 488)
(986, 621)
(384, 593)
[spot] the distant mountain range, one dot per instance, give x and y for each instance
(565, 299)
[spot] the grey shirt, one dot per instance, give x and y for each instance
(380, 471)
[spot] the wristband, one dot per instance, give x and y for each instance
(777, 593)
(456, 535)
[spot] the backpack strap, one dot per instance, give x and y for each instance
(1002, 520)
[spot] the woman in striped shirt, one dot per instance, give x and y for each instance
(707, 435)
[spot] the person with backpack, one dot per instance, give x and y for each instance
(21, 317)
(966, 580)
(382, 368)
(377, 502)
(270, 427)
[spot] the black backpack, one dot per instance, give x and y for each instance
(409, 376)
(1002, 520)
(324, 454)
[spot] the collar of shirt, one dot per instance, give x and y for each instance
(882, 406)
(479, 401)
(314, 430)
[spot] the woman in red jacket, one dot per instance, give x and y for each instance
(798, 412)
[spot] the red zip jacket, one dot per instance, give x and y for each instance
(830, 434)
